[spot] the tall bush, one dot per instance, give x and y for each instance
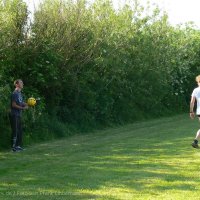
(93, 65)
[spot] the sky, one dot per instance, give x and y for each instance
(179, 11)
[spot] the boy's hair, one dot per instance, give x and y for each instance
(197, 78)
(17, 81)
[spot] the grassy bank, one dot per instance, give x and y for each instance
(147, 160)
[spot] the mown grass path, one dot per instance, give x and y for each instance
(146, 160)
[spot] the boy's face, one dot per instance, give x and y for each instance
(20, 84)
(198, 82)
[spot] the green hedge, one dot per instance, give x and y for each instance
(92, 65)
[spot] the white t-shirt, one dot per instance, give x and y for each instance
(196, 94)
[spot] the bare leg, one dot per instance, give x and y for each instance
(197, 135)
(195, 143)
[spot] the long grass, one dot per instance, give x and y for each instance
(146, 160)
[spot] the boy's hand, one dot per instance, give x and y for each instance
(192, 115)
(25, 107)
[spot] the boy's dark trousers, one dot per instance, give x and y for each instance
(16, 126)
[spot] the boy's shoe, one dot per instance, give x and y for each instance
(195, 145)
(19, 148)
(14, 149)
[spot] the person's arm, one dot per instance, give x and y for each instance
(14, 105)
(192, 114)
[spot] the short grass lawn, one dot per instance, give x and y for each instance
(141, 161)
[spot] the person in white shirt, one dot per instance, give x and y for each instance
(195, 97)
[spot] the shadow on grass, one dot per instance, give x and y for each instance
(127, 160)
(25, 196)
(137, 170)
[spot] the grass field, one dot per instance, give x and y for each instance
(147, 160)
